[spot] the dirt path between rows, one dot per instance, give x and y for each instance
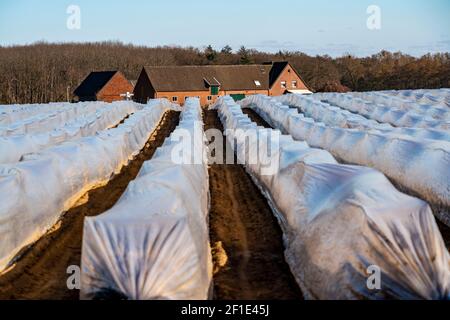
(444, 229)
(245, 237)
(256, 118)
(41, 272)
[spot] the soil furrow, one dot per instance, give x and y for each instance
(246, 239)
(41, 272)
(444, 229)
(256, 118)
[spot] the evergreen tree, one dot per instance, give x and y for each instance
(244, 56)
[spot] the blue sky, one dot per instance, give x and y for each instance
(315, 27)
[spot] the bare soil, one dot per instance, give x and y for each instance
(246, 239)
(40, 273)
(444, 229)
(256, 118)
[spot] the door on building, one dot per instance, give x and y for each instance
(237, 96)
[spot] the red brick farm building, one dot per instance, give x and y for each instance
(105, 86)
(177, 83)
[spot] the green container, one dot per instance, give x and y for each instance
(237, 96)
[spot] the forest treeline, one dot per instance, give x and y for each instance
(45, 72)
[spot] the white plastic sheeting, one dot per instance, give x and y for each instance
(399, 117)
(419, 165)
(47, 120)
(437, 109)
(35, 191)
(13, 147)
(154, 243)
(423, 96)
(11, 113)
(335, 116)
(340, 220)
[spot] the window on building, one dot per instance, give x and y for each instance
(209, 98)
(257, 83)
(214, 90)
(294, 83)
(174, 99)
(283, 84)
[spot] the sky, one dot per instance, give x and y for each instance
(315, 27)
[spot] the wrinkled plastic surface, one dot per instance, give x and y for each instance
(11, 113)
(431, 103)
(35, 191)
(339, 220)
(13, 147)
(335, 116)
(439, 97)
(47, 117)
(421, 166)
(390, 110)
(154, 243)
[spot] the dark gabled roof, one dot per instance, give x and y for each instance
(212, 81)
(277, 69)
(93, 83)
(198, 78)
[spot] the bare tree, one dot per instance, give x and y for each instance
(43, 72)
